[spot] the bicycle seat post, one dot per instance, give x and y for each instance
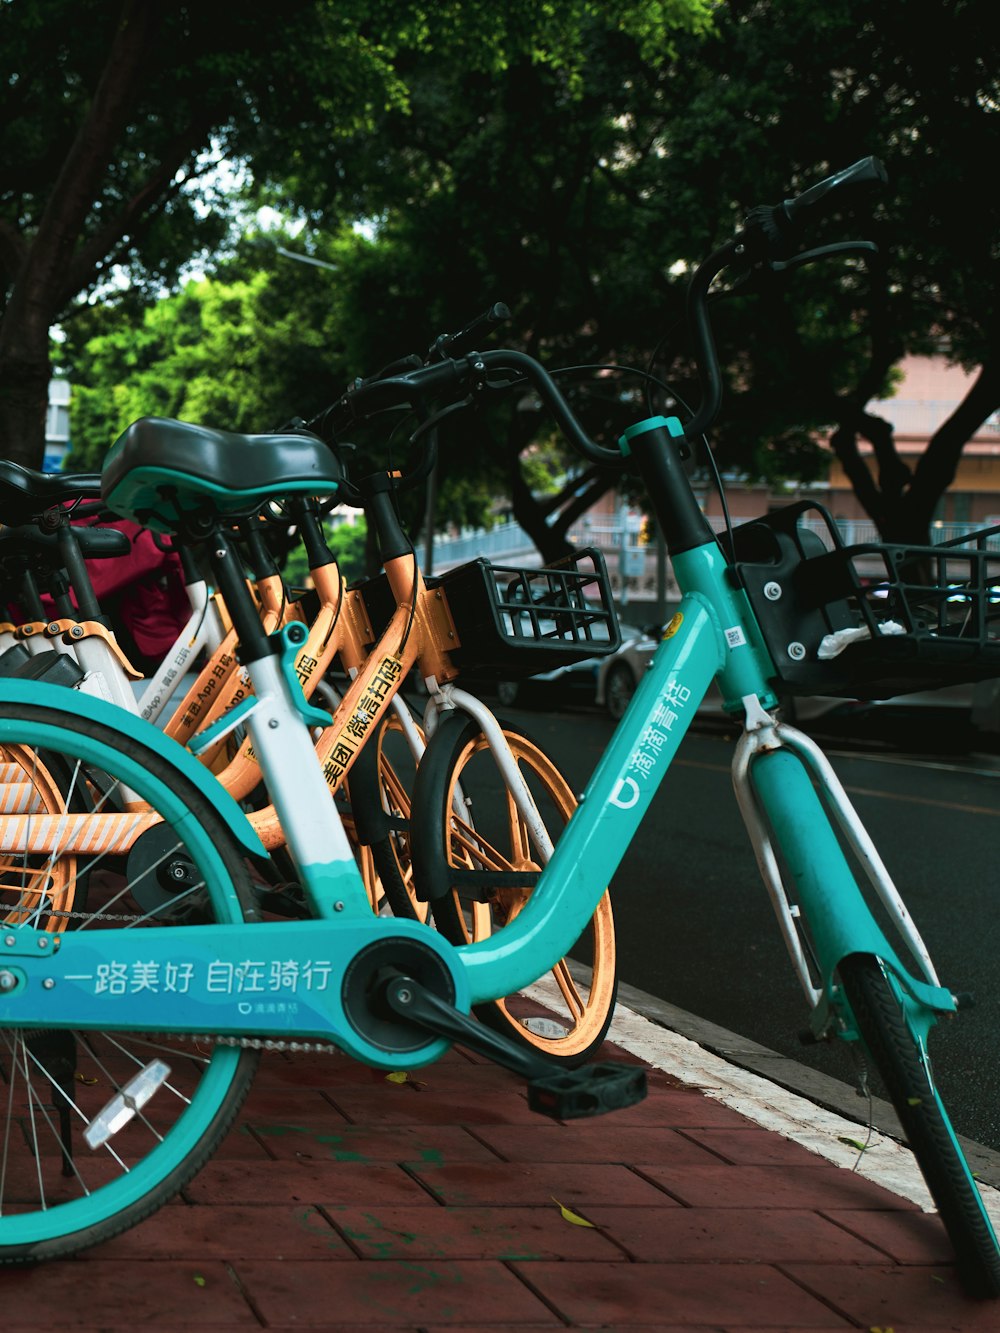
(222, 554)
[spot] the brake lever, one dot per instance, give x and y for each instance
(822, 252)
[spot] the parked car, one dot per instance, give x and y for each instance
(955, 718)
(608, 682)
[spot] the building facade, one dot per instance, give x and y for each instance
(928, 394)
(56, 425)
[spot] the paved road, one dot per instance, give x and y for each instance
(695, 926)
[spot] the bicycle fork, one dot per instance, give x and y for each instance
(790, 797)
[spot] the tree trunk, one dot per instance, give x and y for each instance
(47, 275)
(25, 370)
(550, 542)
(535, 516)
(899, 502)
(938, 464)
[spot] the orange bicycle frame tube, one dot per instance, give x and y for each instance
(421, 628)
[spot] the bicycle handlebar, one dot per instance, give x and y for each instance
(763, 237)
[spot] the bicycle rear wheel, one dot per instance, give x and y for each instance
(904, 1066)
(468, 836)
(68, 1177)
(32, 887)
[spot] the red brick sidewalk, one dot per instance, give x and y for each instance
(347, 1201)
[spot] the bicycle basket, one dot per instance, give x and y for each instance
(874, 620)
(515, 622)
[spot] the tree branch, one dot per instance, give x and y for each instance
(73, 190)
(600, 483)
(844, 443)
(554, 502)
(937, 465)
(894, 475)
(149, 200)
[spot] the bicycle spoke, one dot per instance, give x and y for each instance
(102, 1127)
(570, 991)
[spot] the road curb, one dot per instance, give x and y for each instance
(829, 1093)
(780, 1071)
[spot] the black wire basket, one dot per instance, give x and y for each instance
(512, 622)
(874, 620)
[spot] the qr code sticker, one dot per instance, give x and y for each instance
(735, 637)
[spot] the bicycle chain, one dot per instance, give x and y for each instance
(92, 916)
(264, 1043)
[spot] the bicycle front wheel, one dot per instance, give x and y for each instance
(392, 854)
(905, 1069)
(98, 1129)
(467, 833)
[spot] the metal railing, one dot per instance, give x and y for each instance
(508, 540)
(501, 542)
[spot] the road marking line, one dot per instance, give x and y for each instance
(931, 801)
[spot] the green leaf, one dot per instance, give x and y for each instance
(570, 1216)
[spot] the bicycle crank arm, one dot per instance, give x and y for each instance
(563, 1094)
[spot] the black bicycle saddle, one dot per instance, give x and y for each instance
(161, 469)
(25, 493)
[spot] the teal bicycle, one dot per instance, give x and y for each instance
(130, 1042)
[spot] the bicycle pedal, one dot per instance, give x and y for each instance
(573, 1094)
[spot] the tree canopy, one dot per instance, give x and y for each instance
(576, 169)
(790, 88)
(114, 115)
(587, 223)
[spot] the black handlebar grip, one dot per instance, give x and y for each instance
(770, 229)
(868, 171)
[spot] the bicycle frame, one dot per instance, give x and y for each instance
(221, 979)
(714, 635)
(274, 713)
(204, 628)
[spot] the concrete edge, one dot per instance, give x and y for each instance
(776, 1070)
(825, 1091)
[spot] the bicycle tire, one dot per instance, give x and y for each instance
(442, 842)
(56, 1195)
(392, 854)
(905, 1070)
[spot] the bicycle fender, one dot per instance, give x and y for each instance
(61, 699)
